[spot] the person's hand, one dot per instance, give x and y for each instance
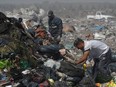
(62, 51)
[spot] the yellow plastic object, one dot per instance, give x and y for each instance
(111, 84)
(51, 82)
(84, 66)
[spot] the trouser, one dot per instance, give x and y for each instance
(101, 64)
(50, 50)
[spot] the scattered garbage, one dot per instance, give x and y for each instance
(52, 64)
(23, 65)
(99, 36)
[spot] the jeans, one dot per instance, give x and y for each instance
(50, 50)
(101, 64)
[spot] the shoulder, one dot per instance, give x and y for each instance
(97, 43)
(57, 19)
(91, 43)
(87, 45)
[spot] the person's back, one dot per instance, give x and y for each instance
(97, 48)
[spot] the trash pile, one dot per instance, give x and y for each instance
(24, 64)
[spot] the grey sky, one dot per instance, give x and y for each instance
(37, 1)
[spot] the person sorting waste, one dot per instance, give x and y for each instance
(97, 51)
(55, 26)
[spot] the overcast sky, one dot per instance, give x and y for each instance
(37, 1)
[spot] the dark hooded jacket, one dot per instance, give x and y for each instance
(55, 27)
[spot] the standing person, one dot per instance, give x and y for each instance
(55, 26)
(96, 50)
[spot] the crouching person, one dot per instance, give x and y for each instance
(97, 51)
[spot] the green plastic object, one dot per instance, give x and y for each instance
(4, 63)
(24, 64)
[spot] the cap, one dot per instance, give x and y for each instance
(50, 13)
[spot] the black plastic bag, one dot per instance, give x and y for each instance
(4, 27)
(71, 70)
(87, 81)
(60, 84)
(16, 74)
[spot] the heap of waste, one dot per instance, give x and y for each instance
(22, 64)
